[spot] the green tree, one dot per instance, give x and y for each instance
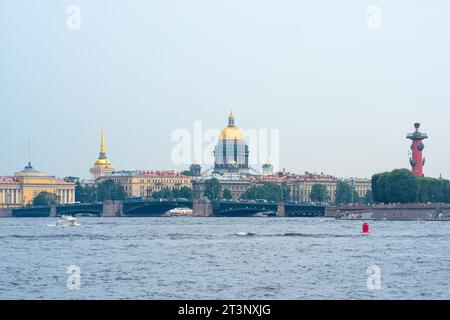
(379, 187)
(375, 187)
(402, 186)
(266, 191)
(251, 193)
(343, 192)
(86, 194)
(431, 190)
(213, 189)
(435, 190)
(164, 193)
(285, 191)
(445, 191)
(183, 192)
(368, 198)
(424, 190)
(271, 192)
(226, 194)
(45, 198)
(110, 190)
(157, 195)
(187, 173)
(318, 193)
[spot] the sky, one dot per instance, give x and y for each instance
(342, 94)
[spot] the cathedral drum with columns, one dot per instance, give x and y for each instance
(231, 152)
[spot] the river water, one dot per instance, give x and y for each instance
(223, 258)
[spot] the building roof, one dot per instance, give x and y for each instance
(289, 177)
(147, 173)
(7, 180)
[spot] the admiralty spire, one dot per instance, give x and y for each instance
(102, 166)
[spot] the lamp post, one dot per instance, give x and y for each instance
(353, 190)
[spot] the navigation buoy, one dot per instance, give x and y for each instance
(365, 227)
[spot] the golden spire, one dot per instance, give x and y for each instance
(102, 159)
(102, 144)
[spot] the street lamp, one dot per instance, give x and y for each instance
(353, 190)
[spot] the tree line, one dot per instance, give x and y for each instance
(107, 190)
(402, 186)
(166, 193)
(268, 191)
(345, 193)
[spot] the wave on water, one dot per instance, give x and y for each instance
(57, 236)
(178, 235)
(293, 234)
(63, 226)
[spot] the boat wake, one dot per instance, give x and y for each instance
(62, 225)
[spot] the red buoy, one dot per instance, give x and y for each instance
(365, 227)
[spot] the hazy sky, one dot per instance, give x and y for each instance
(342, 95)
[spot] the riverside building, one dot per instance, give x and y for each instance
(142, 183)
(21, 189)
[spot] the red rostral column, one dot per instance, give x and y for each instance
(417, 162)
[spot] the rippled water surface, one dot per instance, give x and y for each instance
(223, 258)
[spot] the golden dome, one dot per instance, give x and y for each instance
(102, 161)
(231, 132)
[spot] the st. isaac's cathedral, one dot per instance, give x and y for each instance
(231, 152)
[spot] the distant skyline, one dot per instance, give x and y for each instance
(343, 96)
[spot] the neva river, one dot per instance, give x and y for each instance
(223, 258)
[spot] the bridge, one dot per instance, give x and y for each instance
(146, 208)
(250, 208)
(107, 208)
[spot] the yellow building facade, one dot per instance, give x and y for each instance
(21, 189)
(142, 183)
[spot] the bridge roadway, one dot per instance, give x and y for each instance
(145, 208)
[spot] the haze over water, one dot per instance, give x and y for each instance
(223, 258)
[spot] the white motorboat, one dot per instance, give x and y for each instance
(66, 221)
(181, 212)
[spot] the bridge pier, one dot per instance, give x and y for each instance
(6, 213)
(52, 211)
(331, 212)
(202, 208)
(112, 208)
(281, 211)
